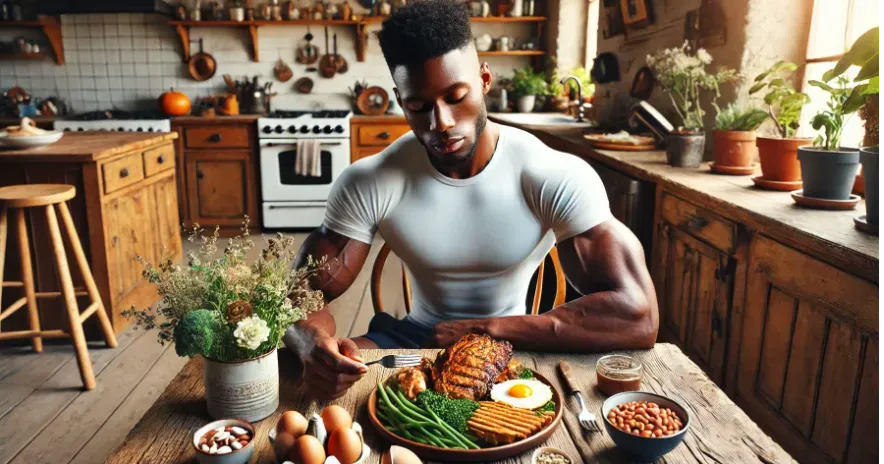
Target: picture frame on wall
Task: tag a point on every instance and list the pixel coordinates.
(634, 12)
(612, 23)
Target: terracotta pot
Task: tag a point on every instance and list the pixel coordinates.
(685, 151)
(734, 148)
(828, 174)
(779, 158)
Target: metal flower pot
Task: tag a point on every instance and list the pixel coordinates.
(247, 390)
(869, 158)
(828, 174)
(685, 151)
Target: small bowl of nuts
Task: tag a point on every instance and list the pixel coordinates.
(225, 441)
(645, 425)
(550, 455)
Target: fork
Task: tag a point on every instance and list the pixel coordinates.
(392, 361)
(586, 418)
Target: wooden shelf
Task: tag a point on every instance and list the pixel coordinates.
(183, 30)
(514, 53)
(50, 27)
(23, 56)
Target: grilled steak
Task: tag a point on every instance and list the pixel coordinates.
(467, 369)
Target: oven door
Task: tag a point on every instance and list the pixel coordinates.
(279, 181)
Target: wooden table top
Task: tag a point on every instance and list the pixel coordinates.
(720, 431)
(80, 147)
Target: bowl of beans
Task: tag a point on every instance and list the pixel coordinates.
(645, 425)
(226, 441)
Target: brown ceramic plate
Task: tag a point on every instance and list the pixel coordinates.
(822, 203)
(495, 453)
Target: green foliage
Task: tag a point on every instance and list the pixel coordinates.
(863, 53)
(843, 101)
(527, 82)
(526, 374)
(455, 413)
(784, 102)
(548, 407)
(195, 333)
(736, 118)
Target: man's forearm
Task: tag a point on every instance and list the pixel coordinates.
(602, 321)
(301, 336)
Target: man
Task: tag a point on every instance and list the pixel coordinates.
(471, 208)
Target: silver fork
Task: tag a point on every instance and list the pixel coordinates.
(392, 361)
(586, 418)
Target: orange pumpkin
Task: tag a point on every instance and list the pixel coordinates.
(174, 103)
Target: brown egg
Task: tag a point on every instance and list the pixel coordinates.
(307, 450)
(282, 445)
(293, 423)
(400, 455)
(335, 417)
(345, 445)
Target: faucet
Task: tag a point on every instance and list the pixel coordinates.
(579, 95)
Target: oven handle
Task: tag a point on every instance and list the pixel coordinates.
(324, 144)
(296, 206)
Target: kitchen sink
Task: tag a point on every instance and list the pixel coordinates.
(540, 119)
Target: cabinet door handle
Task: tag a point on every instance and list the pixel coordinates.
(215, 138)
(124, 173)
(161, 159)
(384, 135)
(696, 223)
(199, 174)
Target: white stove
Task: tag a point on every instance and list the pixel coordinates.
(291, 200)
(115, 121)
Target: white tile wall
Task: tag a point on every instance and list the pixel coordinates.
(126, 60)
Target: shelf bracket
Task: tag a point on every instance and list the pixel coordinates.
(52, 30)
(253, 35)
(361, 41)
(184, 36)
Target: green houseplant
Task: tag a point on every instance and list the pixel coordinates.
(827, 168)
(527, 85)
(734, 136)
(683, 76)
(779, 155)
(233, 315)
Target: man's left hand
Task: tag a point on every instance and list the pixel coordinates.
(448, 332)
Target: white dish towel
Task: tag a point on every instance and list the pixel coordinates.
(308, 158)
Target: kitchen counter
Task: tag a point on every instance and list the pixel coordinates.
(77, 147)
(240, 118)
(384, 118)
(828, 235)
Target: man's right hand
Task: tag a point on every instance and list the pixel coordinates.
(332, 367)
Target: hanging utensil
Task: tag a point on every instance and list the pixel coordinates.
(327, 64)
(202, 66)
(232, 86)
(283, 71)
(307, 53)
(304, 85)
(340, 63)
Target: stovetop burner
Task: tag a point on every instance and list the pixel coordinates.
(117, 115)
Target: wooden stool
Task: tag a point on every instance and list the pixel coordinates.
(44, 196)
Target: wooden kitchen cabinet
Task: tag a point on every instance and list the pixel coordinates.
(808, 367)
(219, 181)
(369, 135)
(693, 268)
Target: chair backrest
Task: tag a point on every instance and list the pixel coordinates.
(378, 268)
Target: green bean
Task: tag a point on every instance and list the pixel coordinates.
(450, 434)
(459, 437)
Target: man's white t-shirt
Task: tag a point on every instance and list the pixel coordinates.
(470, 246)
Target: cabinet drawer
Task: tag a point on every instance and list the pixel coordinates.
(216, 137)
(122, 172)
(159, 159)
(700, 223)
(380, 134)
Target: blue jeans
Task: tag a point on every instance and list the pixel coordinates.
(388, 332)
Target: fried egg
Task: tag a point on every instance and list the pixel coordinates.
(522, 393)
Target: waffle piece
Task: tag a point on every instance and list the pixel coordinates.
(499, 423)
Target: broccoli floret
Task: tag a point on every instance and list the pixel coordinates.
(526, 374)
(195, 333)
(455, 413)
(549, 406)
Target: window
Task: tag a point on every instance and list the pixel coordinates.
(834, 27)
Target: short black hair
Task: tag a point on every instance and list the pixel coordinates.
(423, 30)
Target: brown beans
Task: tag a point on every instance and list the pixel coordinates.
(644, 419)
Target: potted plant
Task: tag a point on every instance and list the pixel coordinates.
(527, 85)
(734, 135)
(233, 315)
(237, 11)
(779, 155)
(864, 54)
(683, 76)
(827, 168)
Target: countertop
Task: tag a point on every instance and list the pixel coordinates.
(388, 118)
(80, 147)
(828, 235)
(220, 119)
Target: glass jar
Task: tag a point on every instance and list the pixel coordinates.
(618, 373)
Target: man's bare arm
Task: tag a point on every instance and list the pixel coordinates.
(618, 309)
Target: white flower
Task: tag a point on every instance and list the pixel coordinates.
(704, 56)
(251, 332)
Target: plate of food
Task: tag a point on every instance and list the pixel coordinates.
(474, 402)
(27, 134)
(623, 141)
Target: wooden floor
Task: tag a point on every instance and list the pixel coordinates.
(45, 416)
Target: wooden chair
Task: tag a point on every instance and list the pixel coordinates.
(48, 197)
(378, 268)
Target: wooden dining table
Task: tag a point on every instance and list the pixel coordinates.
(720, 432)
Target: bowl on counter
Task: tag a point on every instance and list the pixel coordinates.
(548, 449)
(28, 141)
(645, 448)
(236, 456)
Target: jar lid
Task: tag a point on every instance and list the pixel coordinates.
(621, 366)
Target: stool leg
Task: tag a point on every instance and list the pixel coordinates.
(27, 278)
(67, 289)
(106, 326)
(3, 212)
